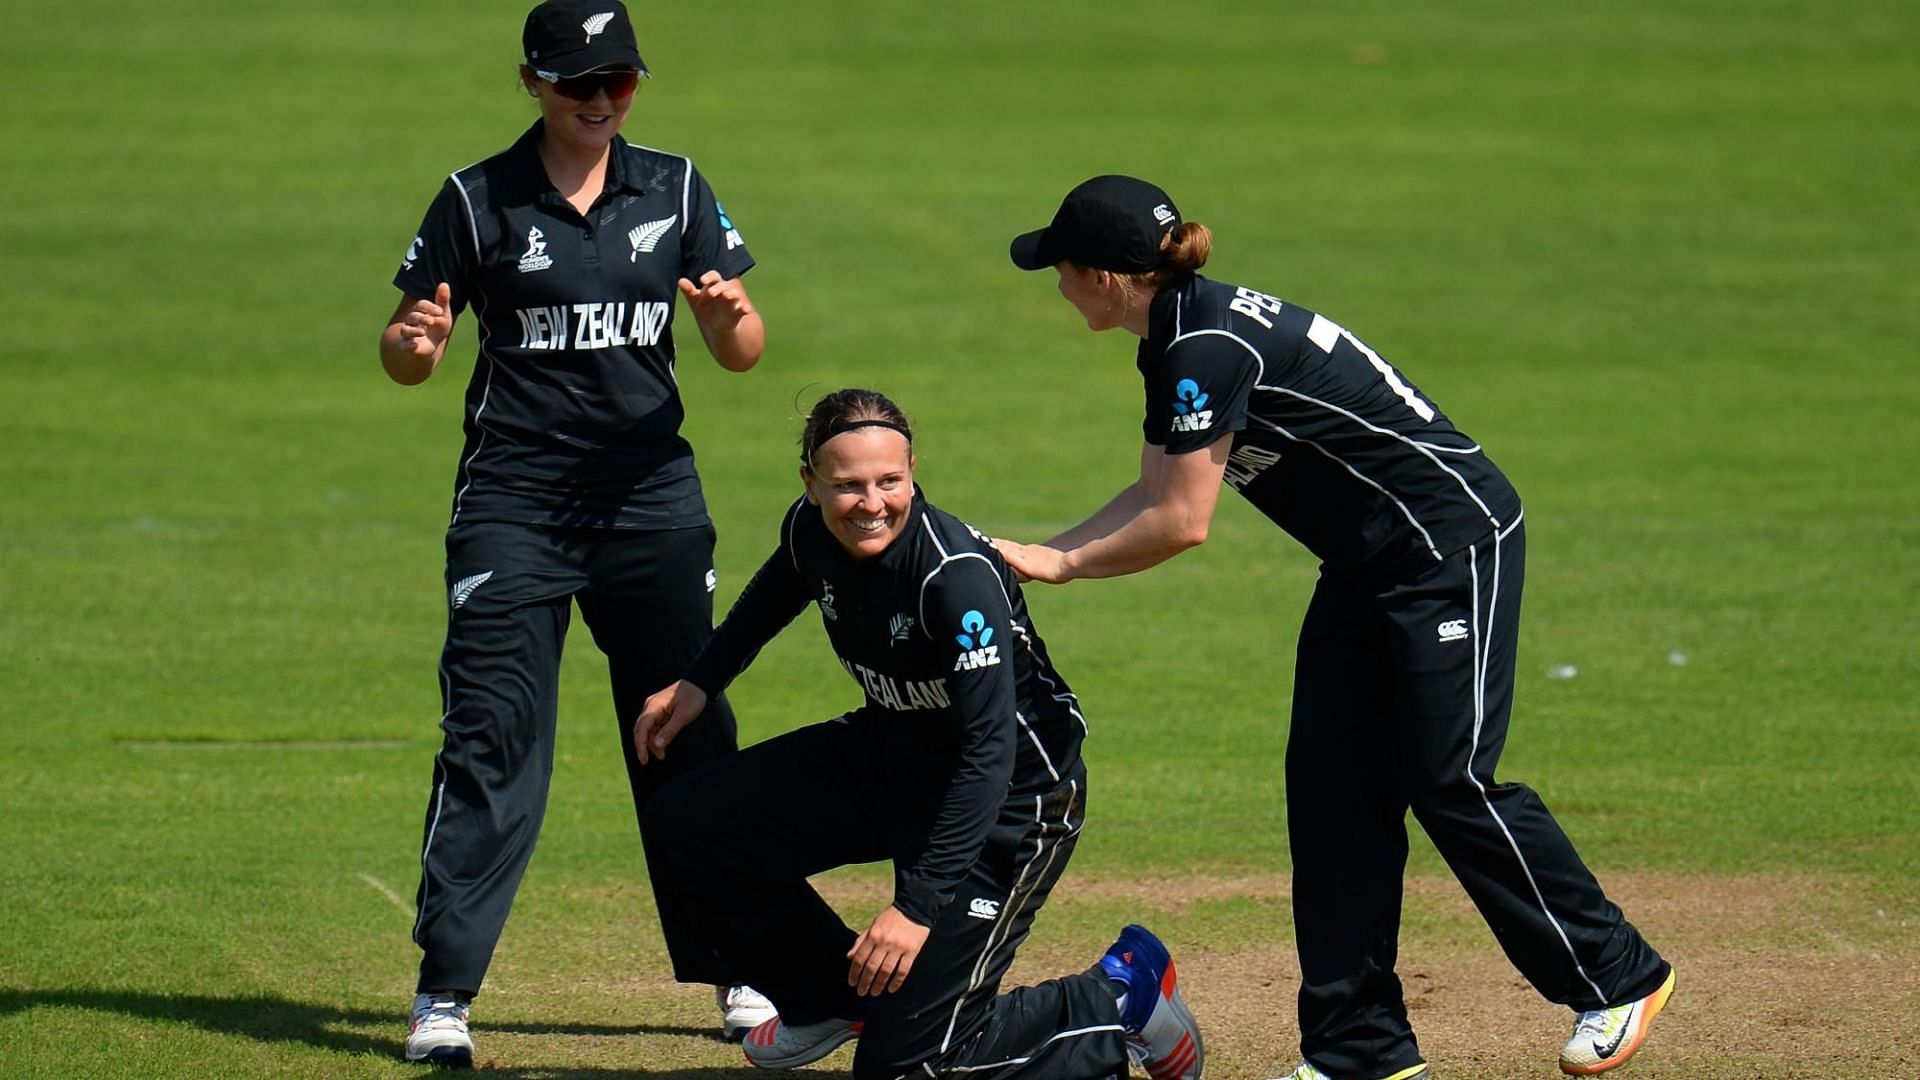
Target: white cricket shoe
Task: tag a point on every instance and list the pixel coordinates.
(1605, 1038)
(774, 1045)
(742, 1008)
(1307, 1071)
(438, 1033)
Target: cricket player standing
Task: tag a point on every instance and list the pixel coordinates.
(1404, 679)
(571, 247)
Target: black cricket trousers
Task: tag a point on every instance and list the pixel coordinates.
(645, 595)
(821, 799)
(1401, 701)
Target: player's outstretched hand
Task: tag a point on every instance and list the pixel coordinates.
(1035, 562)
(662, 717)
(883, 954)
(427, 323)
(719, 303)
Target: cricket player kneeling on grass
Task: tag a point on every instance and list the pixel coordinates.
(961, 767)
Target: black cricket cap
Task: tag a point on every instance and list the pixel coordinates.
(565, 38)
(1108, 223)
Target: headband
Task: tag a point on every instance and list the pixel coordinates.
(839, 427)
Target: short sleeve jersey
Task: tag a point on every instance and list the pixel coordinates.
(1331, 441)
(962, 701)
(573, 412)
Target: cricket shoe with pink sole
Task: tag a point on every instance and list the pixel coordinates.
(1605, 1038)
(1161, 1034)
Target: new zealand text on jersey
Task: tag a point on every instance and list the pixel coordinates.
(900, 695)
(594, 326)
(1247, 462)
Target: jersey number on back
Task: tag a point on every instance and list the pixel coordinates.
(1324, 332)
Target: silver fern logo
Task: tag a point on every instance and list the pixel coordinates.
(596, 23)
(465, 586)
(647, 237)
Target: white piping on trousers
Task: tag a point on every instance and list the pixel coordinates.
(1482, 651)
(1021, 893)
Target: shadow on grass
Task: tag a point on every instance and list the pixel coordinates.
(271, 1019)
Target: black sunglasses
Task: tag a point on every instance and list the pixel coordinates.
(617, 84)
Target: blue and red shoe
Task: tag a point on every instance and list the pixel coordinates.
(1161, 1034)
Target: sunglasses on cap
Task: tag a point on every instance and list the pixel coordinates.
(617, 84)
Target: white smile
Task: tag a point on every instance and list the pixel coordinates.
(868, 525)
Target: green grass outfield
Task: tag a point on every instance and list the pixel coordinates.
(1658, 257)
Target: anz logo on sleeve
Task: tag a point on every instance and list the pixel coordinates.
(976, 647)
(1189, 407)
(733, 234)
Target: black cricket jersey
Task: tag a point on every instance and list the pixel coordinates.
(573, 413)
(962, 700)
(1330, 441)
